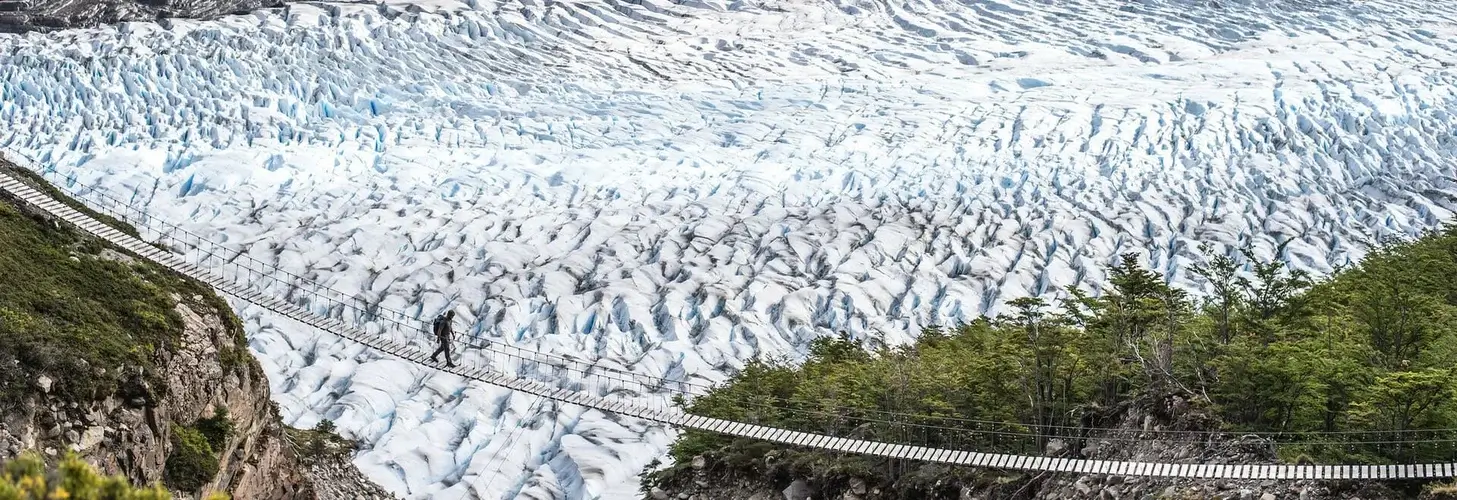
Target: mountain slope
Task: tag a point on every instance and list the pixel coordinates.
(1354, 369)
(139, 371)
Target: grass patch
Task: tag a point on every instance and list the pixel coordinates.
(195, 451)
(217, 429)
(93, 325)
(83, 320)
(318, 443)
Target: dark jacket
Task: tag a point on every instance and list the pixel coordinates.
(442, 328)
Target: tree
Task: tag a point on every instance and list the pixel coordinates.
(1274, 294)
(1039, 376)
(1407, 400)
(1176, 309)
(1139, 318)
(1398, 320)
(1399, 401)
(1222, 274)
(837, 349)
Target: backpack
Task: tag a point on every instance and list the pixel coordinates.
(439, 326)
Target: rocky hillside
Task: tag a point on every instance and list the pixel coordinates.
(140, 371)
(19, 16)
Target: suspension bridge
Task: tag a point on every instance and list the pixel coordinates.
(580, 382)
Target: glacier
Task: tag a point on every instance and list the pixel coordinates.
(676, 187)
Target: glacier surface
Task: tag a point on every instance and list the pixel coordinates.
(675, 187)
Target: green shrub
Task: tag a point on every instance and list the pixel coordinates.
(324, 426)
(192, 463)
(217, 429)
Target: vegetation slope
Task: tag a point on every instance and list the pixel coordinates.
(72, 304)
(93, 321)
(1322, 366)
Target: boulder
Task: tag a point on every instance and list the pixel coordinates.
(798, 490)
(1055, 448)
(1082, 486)
(1179, 407)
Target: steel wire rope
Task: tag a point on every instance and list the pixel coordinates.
(254, 271)
(1272, 436)
(197, 241)
(1366, 471)
(300, 282)
(1233, 434)
(496, 462)
(251, 271)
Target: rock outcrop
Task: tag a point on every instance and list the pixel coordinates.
(325, 458)
(203, 375)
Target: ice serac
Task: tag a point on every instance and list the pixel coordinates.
(674, 188)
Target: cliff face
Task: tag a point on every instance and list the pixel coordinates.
(19, 16)
(118, 361)
(133, 435)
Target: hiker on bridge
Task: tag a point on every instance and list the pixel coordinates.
(441, 328)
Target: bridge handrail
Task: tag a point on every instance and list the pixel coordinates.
(669, 415)
(217, 255)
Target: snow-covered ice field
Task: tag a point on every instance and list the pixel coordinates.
(678, 186)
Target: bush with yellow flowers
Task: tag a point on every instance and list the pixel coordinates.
(26, 478)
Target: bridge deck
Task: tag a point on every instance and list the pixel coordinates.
(672, 416)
